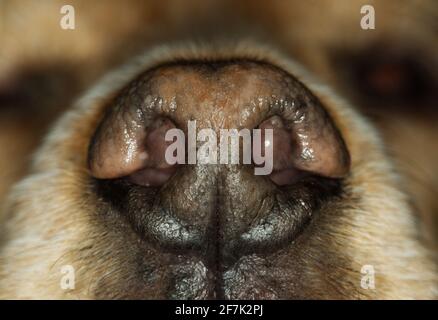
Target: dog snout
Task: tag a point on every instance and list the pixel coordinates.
(198, 198)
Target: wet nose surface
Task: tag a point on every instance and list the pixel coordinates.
(217, 214)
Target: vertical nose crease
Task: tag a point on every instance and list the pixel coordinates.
(238, 210)
(203, 210)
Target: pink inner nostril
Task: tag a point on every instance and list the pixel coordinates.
(156, 145)
(314, 148)
(281, 143)
(152, 177)
(157, 171)
(285, 177)
(282, 147)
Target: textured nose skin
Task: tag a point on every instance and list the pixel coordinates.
(240, 212)
(184, 217)
(206, 208)
(225, 212)
(203, 206)
(217, 215)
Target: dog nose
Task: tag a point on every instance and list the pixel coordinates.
(165, 137)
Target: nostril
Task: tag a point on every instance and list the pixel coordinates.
(303, 147)
(157, 170)
(281, 145)
(126, 147)
(152, 177)
(286, 176)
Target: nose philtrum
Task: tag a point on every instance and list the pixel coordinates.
(202, 202)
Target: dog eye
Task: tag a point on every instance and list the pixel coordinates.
(395, 80)
(35, 90)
